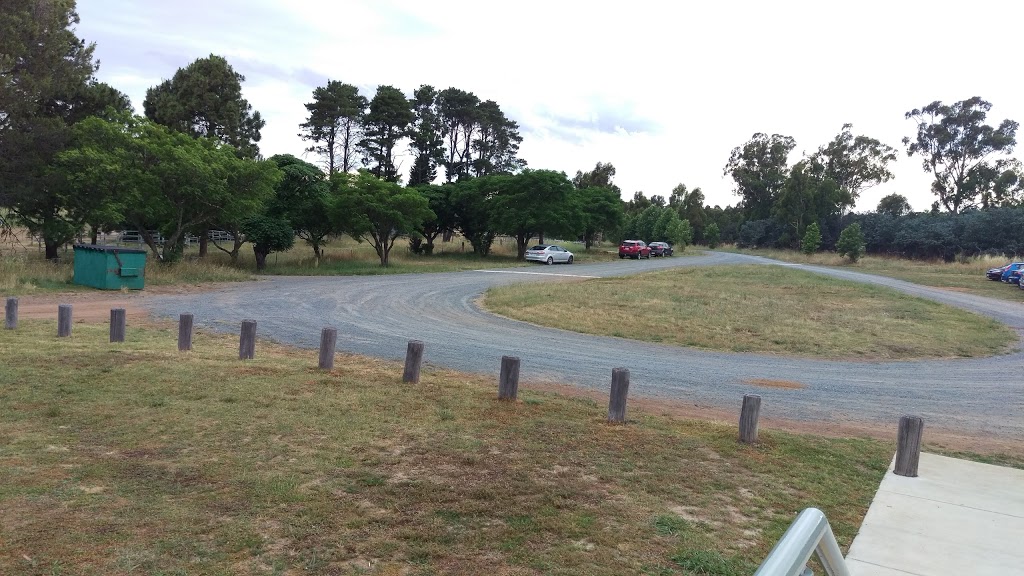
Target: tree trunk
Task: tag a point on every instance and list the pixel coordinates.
(204, 243)
(521, 240)
(540, 238)
(261, 259)
(318, 253)
(51, 250)
(93, 234)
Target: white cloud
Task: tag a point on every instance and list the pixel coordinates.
(663, 91)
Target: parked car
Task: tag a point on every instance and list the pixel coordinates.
(660, 249)
(996, 273)
(1014, 277)
(548, 254)
(634, 249)
(1010, 269)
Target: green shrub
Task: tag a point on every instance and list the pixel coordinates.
(812, 239)
(851, 242)
(711, 235)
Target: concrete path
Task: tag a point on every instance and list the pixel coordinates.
(957, 517)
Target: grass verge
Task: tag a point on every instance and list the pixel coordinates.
(960, 276)
(757, 309)
(133, 458)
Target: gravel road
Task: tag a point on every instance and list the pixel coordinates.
(377, 315)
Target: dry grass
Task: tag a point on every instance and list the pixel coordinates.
(757, 309)
(135, 459)
(966, 275)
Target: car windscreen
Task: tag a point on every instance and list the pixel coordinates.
(538, 247)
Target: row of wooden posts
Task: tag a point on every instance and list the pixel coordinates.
(908, 447)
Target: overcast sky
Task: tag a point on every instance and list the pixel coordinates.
(661, 90)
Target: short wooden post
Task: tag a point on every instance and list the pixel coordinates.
(11, 314)
(247, 341)
(64, 320)
(328, 346)
(617, 401)
(749, 414)
(508, 381)
(413, 360)
(185, 332)
(908, 446)
(118, 324)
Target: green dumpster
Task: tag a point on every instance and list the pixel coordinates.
(110, 267)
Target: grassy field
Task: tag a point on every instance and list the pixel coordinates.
(24, 271)
(757, 309)
(136, 459)
(966, 276)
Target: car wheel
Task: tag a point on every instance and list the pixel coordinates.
(569, 261)
(550, 261)
(621, 256)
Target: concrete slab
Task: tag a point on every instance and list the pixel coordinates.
(957, 517)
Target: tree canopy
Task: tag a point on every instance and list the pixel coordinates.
(759, 169)
(334, 123)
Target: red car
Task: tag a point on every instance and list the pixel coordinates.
(634, 249)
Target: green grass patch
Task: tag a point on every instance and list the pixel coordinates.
(134, 458)
(966, 275)
(757, 308)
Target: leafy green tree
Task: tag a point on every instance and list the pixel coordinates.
(807, 196)
(439, 199)
(381, 211)
(204, 99)
(164, 181)
(689, 204)
(678, 233)
(711, 235)
(851, 242)
(534, 203)
(426, 139)
(457, 112)
(894, 204)
(601, 176)
(812, 239)
(855, 164)
(471, 201)
(637, 204)
(960, 150)
(759, 169)
(45, 70)
(335, 116)
(646, 222)
(268, 234)
(303, 198)
(496, 144)
(384, 126)
(601, 210)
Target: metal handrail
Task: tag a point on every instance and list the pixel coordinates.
(807, 534)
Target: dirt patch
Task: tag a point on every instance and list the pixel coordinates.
(94, 307)
(768, 383)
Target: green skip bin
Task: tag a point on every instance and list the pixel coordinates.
(110, 267)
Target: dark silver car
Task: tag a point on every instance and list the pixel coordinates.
(660, 249)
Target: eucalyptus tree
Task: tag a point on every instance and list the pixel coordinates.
(384, 126)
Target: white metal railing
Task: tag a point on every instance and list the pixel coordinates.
(808, 534)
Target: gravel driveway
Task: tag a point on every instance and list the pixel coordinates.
(377, 315)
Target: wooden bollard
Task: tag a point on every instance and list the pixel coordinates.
(413, 361)
(247, 341)
(508, 381)
(908, 446)
(328, 346)
(185, 332)
(64, 320)
(617, 400)
(118, 324)
(11, 314)
(749, 414)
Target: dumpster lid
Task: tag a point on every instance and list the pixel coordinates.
(118, 249)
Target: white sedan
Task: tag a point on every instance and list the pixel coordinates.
(549, 254)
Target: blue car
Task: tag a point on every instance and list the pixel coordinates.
(1008, 274)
